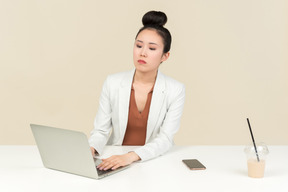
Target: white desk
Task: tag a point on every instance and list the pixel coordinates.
(21, 169)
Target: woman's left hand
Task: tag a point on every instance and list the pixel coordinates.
(116, 161)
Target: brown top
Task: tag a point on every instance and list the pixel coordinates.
(137, 121)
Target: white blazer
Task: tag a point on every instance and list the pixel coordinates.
(163, 121)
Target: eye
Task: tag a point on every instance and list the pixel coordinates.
(138, 46)
(153, 49)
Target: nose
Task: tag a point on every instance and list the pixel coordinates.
(143, 52)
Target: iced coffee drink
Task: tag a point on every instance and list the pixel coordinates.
(256, 161)
(256, 168)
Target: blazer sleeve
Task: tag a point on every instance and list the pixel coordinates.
(103, 121)
(170, 125)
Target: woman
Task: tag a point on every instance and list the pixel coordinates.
(140, 107)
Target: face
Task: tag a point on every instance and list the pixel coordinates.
(148, 51)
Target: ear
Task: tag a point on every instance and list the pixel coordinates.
(165, 56)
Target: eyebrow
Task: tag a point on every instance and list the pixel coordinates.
(149, 42)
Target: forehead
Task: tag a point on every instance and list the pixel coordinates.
(150, 36)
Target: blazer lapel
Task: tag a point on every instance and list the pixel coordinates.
(156, 103)
(124, 100)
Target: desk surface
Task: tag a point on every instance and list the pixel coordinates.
(21, 169)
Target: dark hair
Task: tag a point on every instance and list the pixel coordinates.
(156, 20)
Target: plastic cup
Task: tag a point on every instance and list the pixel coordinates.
(256, 166)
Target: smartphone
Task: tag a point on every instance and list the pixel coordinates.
(194, 164)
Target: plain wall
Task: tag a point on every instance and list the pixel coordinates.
(231, 55)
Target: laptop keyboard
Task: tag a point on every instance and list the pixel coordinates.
(102, 172)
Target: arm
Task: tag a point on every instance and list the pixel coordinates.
(102, 122)
(159, 144)
(170, 124)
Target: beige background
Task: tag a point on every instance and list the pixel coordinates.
(231, 55)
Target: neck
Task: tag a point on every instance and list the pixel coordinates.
(145, 78)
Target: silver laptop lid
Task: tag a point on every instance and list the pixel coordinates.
(64, 150)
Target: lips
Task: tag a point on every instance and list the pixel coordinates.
(141, 61)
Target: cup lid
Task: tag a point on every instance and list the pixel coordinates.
(261, 148)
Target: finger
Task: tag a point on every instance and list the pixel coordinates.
(103, 165)
(112, 162)
(106, 165)
(109, 166)
(115, 166)
(112, 166)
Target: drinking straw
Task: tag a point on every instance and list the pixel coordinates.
(253, 140)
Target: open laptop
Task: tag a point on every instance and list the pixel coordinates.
(67, 151)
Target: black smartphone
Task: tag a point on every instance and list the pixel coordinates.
(194, 164)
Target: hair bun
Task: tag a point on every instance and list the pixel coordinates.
(154, 18)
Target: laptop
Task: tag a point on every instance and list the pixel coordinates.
(68, 151)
